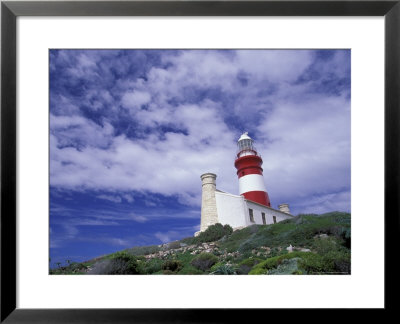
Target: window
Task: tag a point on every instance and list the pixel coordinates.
(274, 217)
(263, 218)
(251, 215)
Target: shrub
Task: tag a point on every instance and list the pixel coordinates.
(334, 256)
(316, 264)
(151, 266)
(342, 266)
(143, 250)
(140, 258)
(229, 258)
(117, 263)
(189, 269)
(287, 267)
(204, 261)
(228, 230)
(274, 252)
(172, 265)
(215, 266)
(323, 246)
(298, 231)
(274, 262)
(185, 258)
(213, 233)
(188, 240)
(258, 271)
(306, 262)
(246, 265)
(340, 260)
(173, 245)
(224, 269)
(243, 269)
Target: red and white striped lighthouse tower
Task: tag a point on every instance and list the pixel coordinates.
(248, 164)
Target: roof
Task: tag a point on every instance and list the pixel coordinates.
(244, 136)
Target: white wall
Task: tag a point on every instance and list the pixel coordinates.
(234, 210)
(269, 213)
(231, 209)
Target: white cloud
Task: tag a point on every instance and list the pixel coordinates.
(274, 65)
(115, 199)
(329, 202)
(135, 99)
(167, 237)
(138, 218)
(304, 137)
(77, 130)
(128, 198)
(171, 166)
(117, 241)
(306, 148)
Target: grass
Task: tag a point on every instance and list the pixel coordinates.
(299, 231)
(257, 249)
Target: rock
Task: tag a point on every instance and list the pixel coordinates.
(305, 250)
(290, 248)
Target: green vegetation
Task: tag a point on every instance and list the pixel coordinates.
(298, 231)
(73, 268)
(172, 265)
(247, 264)
(189, 269)
(211, 234)
(204, 261)
(143, 250)
(120, 263)
(320, 245)
(273, 263)
(151, 266)
(224, 269)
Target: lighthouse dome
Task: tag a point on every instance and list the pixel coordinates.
(244, 136)
(245, 145)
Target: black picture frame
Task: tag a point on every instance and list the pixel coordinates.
(10, 10)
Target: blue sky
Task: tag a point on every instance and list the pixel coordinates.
(131, 131)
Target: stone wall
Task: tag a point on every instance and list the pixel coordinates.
(284, 208)
(209, 214)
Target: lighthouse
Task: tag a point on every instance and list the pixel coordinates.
(248, 165)
(252, 206)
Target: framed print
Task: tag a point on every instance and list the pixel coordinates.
(159, 86)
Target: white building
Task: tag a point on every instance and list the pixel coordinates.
(252, 206)
(235, 210)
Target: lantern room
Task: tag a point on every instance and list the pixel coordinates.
(245, 146)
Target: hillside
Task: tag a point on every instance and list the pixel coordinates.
(306, 244)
